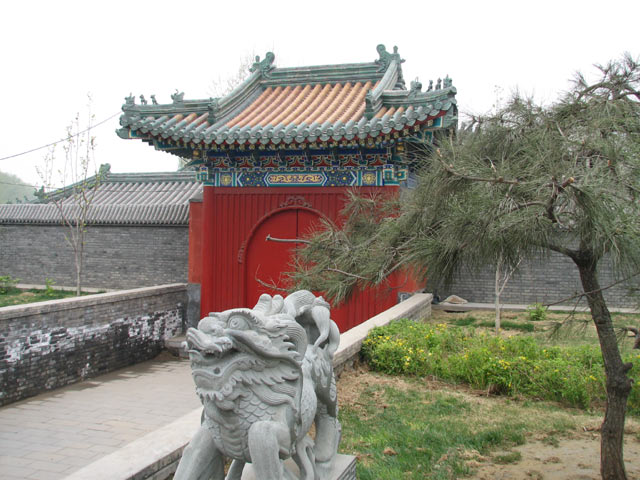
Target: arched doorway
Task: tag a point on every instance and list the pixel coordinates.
(267, 260)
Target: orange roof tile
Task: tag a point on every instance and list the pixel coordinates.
(309, 103)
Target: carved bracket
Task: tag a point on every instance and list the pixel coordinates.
(295, 200)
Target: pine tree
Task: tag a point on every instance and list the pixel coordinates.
(524, 181)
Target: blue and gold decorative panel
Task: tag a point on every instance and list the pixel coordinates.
(346, 167)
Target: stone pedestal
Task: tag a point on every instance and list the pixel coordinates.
(344, 468)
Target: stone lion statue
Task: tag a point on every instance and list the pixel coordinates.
(264, 376)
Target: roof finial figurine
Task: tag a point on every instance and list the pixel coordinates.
(153, 100)
(177, 97)
(212, 108)
(263, 65)
(40, 194)
(105, 169)
(130, 100)
(416, 87)
(386, 58)
(143, 101)
(447, 82)
(430, 86)
(439, 84)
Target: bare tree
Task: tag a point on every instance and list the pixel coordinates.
(79, 179)
(223, 86)
(503, 275)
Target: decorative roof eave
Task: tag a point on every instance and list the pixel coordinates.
(374, 130)
(402, 98)
(214, 108)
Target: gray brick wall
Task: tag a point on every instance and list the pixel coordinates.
(115, 256)
(50, 344)
(544, 280)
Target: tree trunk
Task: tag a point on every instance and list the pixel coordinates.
(498, 291)
(618, 384)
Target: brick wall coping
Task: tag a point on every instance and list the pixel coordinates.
(17, 311)
(155, 456)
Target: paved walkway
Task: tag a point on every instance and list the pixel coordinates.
(54, 434)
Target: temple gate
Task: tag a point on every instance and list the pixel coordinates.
(279, 153)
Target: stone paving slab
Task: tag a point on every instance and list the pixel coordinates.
(54, 434)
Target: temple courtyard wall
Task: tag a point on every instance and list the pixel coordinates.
(127, 256)
(47, 345)
(548, 279)
(116, 256)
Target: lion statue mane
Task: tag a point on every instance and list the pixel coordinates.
(264, 376)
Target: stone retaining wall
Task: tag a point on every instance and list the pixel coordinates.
(47, 345)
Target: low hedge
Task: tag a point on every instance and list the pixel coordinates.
(517, 365)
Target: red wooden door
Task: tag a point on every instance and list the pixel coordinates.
(267, 261)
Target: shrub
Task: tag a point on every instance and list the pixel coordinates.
(7, 284)
(536, 312)
(573, 375)
(49, 291)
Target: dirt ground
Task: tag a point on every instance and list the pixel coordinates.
(573, 457)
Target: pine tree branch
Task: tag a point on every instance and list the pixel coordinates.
(342, 272)
(272, 286)
(579, 295)
(563, 250)
(449, 168)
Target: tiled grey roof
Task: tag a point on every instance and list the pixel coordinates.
(120, 199)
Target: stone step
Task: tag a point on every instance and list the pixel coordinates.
(177, 346)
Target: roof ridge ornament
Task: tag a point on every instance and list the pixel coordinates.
(264, 66)
(416, 87)
(177, 97)
(386, 58)
(212, 107)
(129, 102)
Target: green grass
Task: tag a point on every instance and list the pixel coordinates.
(16, 296)
(435, 433)
(465, 321)
(508, 325)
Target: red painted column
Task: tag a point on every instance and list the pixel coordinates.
(208, 219)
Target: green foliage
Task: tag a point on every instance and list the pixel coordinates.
(525, 181)
(49, 291)
(536, 312)
(13, 189)
(509, 366)
(465, 321)
(16, 296)
(7, 284)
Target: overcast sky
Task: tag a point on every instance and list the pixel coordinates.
(54, 53)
